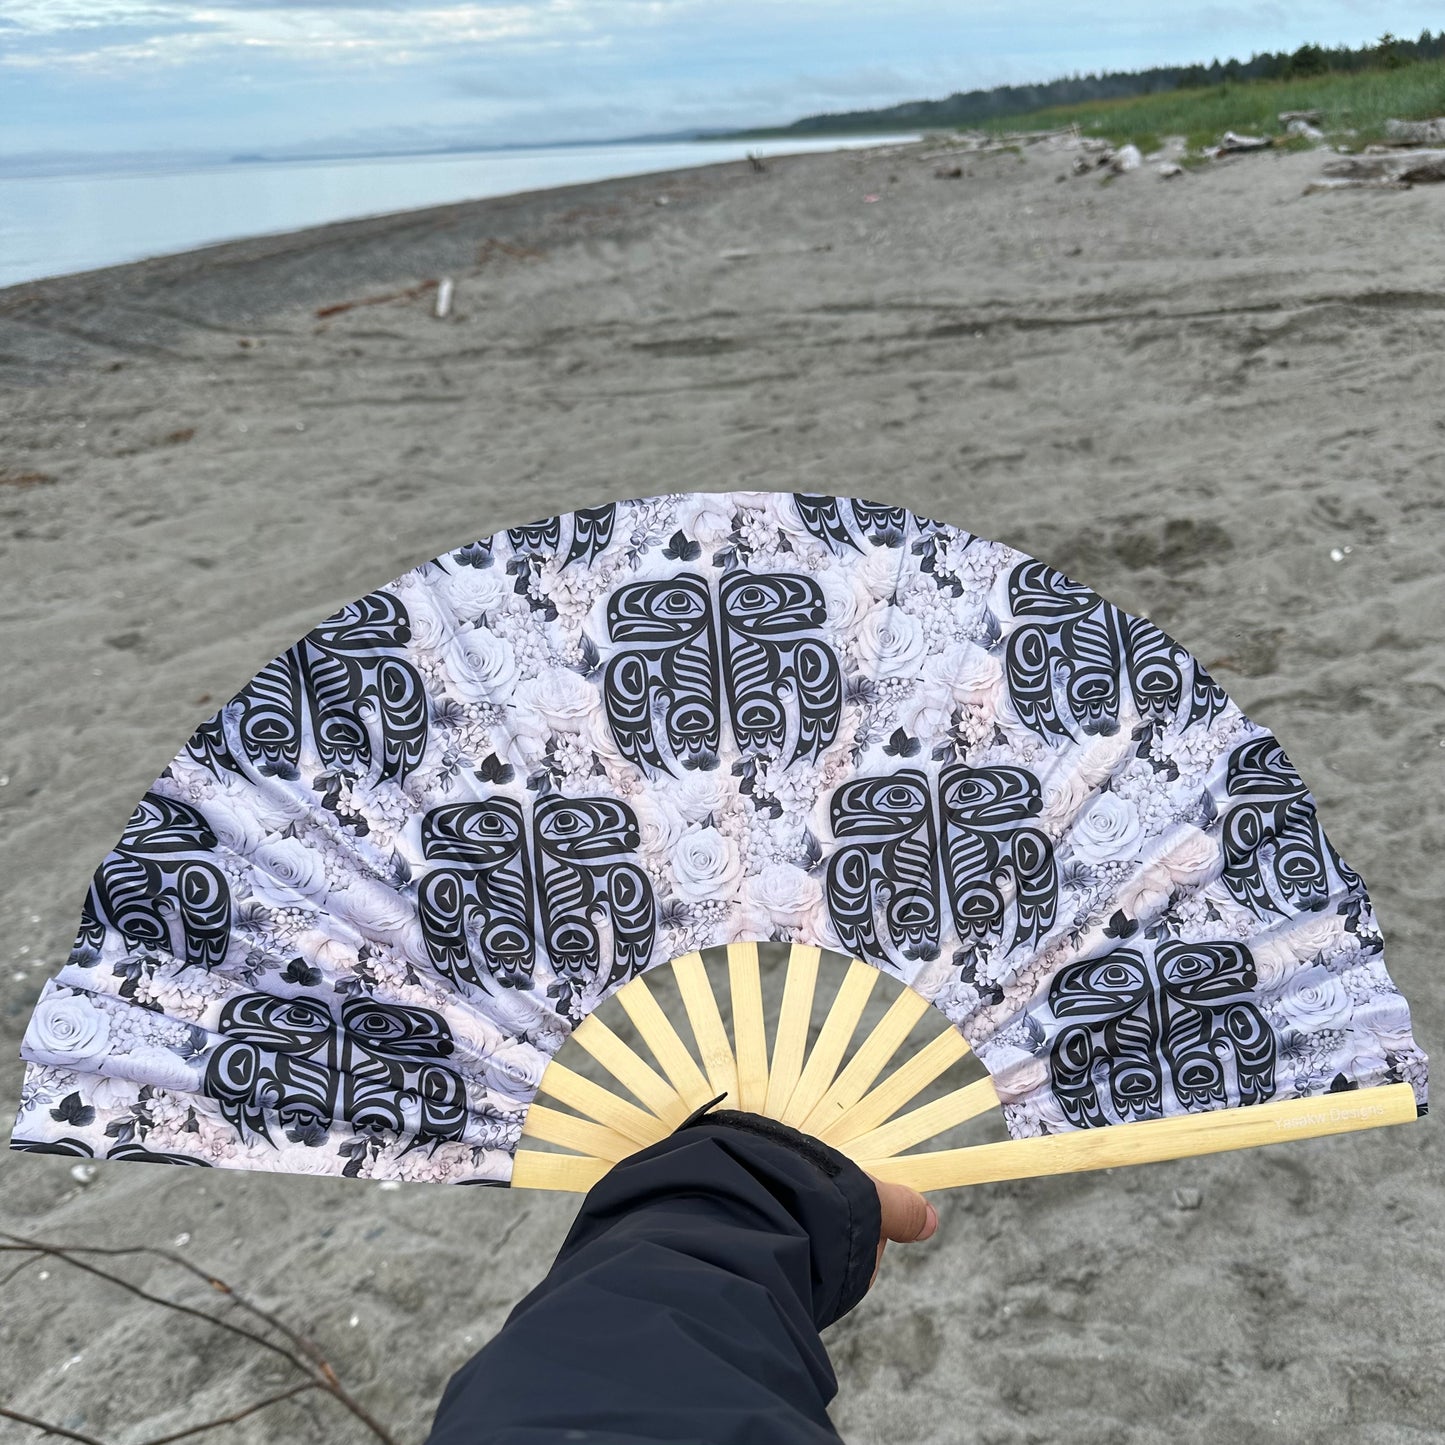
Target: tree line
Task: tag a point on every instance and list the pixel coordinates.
(974, 107)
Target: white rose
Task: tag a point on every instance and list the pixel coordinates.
(329, 954)
(752, 923)
(700, 793)
(878, 570)
(476, 1035)
(1194, 858)
(660, 825)
(514, 1070)
(1367, 1061)
(559, 700)
(1315, 934)
(1273, 959)
(517, 1013)
(1146, 893)
(1316, 1000)
(706, 520)
(108, 1095)
(891, 643)
(927, 714)
(1062, 804)
(373, 907)
(1102, 755)
(786, 893)
(188, 779)
(235, 824)
(706, 867)
(1044, 1108)
(410, 941)
(472, 592)
(1388, 1020)
(1016, 1073)
(430, 629)
(1109, 832)
(276, 806)
(846, 600)
(290, 867)
(161, 1069)
(969, 672)
(320, 1159)
(68, 1033)
(596, 734)
(481, 665)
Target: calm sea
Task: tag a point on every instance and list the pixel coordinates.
(52, 225)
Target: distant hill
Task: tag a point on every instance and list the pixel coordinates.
(980, 107)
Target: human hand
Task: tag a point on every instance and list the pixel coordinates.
(907, 1218)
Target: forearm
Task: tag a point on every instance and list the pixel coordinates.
(685, 1303)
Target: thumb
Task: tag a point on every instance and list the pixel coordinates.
(907, 1215)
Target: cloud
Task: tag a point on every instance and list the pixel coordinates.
(113, 34)
(252, 73)
(505, 84)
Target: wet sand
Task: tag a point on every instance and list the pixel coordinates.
(1189, 395)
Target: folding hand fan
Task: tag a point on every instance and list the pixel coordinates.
(351, 923)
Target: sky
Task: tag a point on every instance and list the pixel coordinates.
(241, 76)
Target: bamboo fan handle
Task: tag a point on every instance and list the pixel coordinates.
(1152, 1140)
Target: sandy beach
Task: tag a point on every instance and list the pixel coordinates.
(1214, 399)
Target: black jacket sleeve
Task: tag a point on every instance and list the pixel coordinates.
(686, 1301)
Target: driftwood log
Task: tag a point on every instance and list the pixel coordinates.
(1417, 132)
(1406, 167)
(1345, 183)
(1234, 142)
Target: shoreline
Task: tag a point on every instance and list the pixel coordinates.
(320, 265)
(274, 166)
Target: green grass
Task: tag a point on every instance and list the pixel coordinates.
(1360, 103)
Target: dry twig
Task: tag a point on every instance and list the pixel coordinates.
(410, 294)
(299, 1352)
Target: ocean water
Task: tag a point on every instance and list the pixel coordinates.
(53, 225)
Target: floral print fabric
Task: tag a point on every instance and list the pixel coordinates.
(347, 928)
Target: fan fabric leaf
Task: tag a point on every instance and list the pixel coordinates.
(348, 926)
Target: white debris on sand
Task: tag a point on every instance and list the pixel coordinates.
(1416, 132)
(445, 292)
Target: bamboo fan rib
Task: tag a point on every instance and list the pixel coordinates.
(600, 1105)
(666, 1043)
(843, 1103)
(628, 1068)
(870, 1060)
(791, 1042)
(749, 1027)
(895, 1091)
(833, 1040)
(707, 1025)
